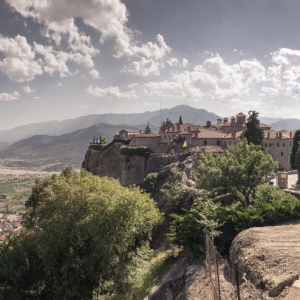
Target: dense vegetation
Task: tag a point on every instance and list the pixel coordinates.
(140, 151)
(237, 197)
(102, 147)
(252, 131)
(238, 172)
(82, 234)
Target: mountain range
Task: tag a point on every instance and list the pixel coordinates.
(52, 145)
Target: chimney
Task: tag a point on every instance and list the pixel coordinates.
(140, 131)
(232, 121)
(208, 124)
(280, 134)
(268, 134)
(291, 134)
(219, 121)
(225, 120)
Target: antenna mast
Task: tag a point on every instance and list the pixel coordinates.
(160, 111)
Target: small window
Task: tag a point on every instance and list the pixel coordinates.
(229, 143)
(281, 153)
(270, 145)
(283, 144)
(218, 143)
(205, 143)
(277, 144)
(266, 145)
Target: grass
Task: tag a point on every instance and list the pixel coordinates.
(149, 275)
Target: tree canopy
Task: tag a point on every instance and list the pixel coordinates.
(237, 172)
(81, 231)
(296, 141)
(252, 131)
(147, 129)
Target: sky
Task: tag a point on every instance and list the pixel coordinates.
(62, 59)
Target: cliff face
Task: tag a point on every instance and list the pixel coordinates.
(130, 169)
(127, 169)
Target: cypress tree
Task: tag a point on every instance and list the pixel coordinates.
(180, 120)
(252, 131)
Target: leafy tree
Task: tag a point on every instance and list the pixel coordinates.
(188, 229)
(238, 172)
(252, 131)
(85, 229)
(147, 130)
(297, 161)
(296, 141)
(103, 140)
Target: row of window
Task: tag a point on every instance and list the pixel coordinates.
(278, 144)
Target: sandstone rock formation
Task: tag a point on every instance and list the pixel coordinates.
(268, 259)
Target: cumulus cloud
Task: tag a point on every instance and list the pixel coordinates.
(112, 92)
(9, 97)
(109, 17)
(284, 73)
(213, 80)
(56, 61)
(174, 62)
(94, 74)
(143, 67)
(19, 64)
(27, 89)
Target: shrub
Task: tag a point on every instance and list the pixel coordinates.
(140, 151)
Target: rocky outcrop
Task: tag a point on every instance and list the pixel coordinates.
(268, 259)
(133, 169)
(127, 169)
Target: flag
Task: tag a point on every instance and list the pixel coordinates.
(184, 144)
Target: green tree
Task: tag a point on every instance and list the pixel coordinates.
(252, 131)
(238, 172)
(296, 140)
(297, 161)
(147, 129)
(180, 120)
(85, 229)
(103, 140)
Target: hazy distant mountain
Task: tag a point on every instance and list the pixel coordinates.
(269, 121)
(289, 124)
(66, 149)
(189, 115)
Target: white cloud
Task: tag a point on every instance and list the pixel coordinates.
(284, 73)
(143, 67)
(94, 74)
(59, 84)
(19, 64)
(56, 61)
(112, 92)
(174, 62)
(133, 85)
(27, 89)
(9, 97)
(109, 17)
(213, 80)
